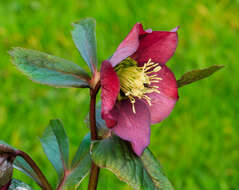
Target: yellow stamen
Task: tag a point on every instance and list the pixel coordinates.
(135, 81)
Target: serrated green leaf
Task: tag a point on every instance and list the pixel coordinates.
(19, 185)
(195, 75)
(56, 146)
(21, 165)
(81, 165)
(141, 173)
(48, 69)
(84, 37)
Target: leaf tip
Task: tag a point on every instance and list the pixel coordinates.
(84, 21)
(15, 53)
(12, 52)
(221, 66)
(55, 121)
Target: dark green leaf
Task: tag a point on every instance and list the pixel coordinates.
(85, 40)
(21, 165)
(141, 173)
(81, 165)
(48, 69)
(195, 75)
(56, 146)
(18, 185)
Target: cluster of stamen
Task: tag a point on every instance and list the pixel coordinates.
(136, 81)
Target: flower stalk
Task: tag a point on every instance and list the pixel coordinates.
(94, 173)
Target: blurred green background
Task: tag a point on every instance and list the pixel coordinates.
(198, 145)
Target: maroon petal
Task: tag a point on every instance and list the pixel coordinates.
(110, 88)
(133, 127)
(129, 45)
(163, 102)
(158, 46)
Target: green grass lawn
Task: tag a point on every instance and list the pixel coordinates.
(198, 145)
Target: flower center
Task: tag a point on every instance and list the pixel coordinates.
(135, 81)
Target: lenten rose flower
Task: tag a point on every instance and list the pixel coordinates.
(138, 89)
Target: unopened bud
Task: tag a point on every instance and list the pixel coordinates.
(6, 169)
(6, 187)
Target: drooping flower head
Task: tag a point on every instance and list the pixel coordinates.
(138, 89)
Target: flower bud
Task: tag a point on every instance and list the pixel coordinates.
(6, 169)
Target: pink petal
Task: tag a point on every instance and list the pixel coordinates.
(163, 102)
(133, 127)
(129, 45)
(110, 88)
(158, 46)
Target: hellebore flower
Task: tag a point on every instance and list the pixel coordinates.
(138, 89)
